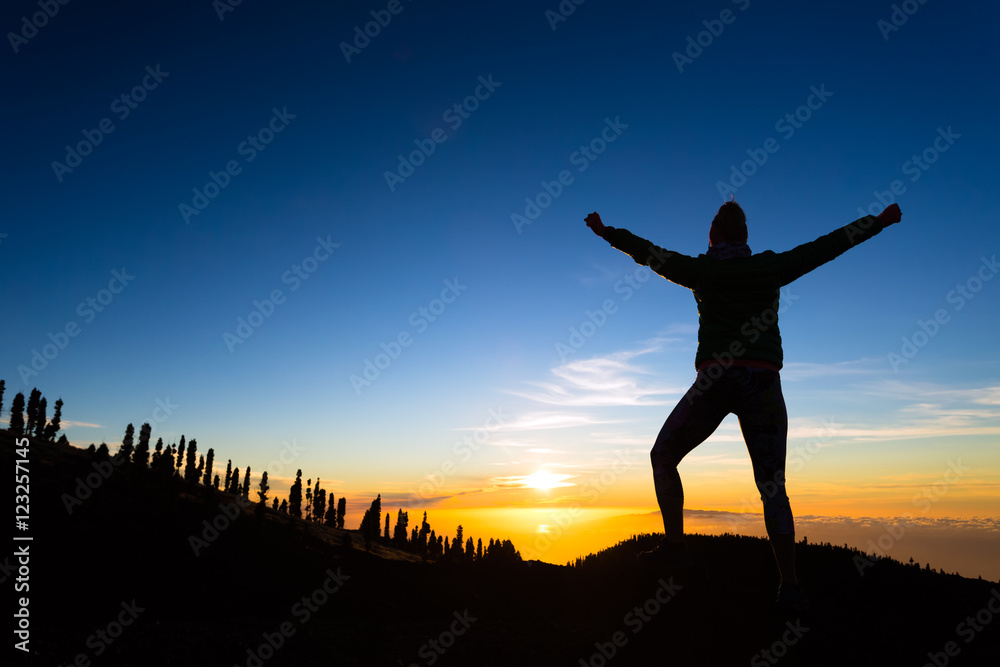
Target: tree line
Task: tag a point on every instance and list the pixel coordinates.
(30, 420)
(182, 461)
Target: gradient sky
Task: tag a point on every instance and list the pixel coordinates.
(485, 303)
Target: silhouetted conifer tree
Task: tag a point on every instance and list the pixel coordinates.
(62, 440)
(309, 500)
(479, 550)
(470, 551)
(457, 544)
(191, 469)
(40, 418)
(234, 483)
(284, 506)
(385, 535)
(154, 461)
(92, 449)
(229, 475)
(53, 428)
(168, 460)
(3, 386)
(215, 482)
(331, 513)
(16, 425)
(31, 418)
(431, 544)
(201, 466)
(209, 464)
(447, 549)
(141, 455)
(263, 487)
(425, 529)
(126, 449)
(319, 504)
(313, 502)
(295, 496)
(372, 520)
(180, 455)
(399, 535)
(341, 511)
(274, 504)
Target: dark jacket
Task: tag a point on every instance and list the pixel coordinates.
(738, 298)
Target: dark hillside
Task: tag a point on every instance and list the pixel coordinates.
(268, 580)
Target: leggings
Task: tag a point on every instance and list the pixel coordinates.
(753, 395)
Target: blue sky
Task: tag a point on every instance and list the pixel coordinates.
(315, 195)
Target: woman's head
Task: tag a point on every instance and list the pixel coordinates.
(729, 225)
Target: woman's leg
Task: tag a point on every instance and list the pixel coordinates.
(695, 417)
(764, 422)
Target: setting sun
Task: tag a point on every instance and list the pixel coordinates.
(545, 480)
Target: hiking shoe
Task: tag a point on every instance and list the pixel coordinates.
(671, 554)
(791, 598)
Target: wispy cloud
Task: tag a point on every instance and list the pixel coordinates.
(793, 371)
(610, 380)
(533, 421)
(542, 479)
(932, 410)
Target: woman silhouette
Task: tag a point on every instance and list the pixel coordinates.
(738, 362)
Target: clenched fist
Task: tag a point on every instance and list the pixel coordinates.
(594, 222)
(891, 215)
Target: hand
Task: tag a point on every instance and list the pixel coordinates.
(891, 215)
(594, 222)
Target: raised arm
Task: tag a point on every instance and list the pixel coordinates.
(799, 261)
(673, 266)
